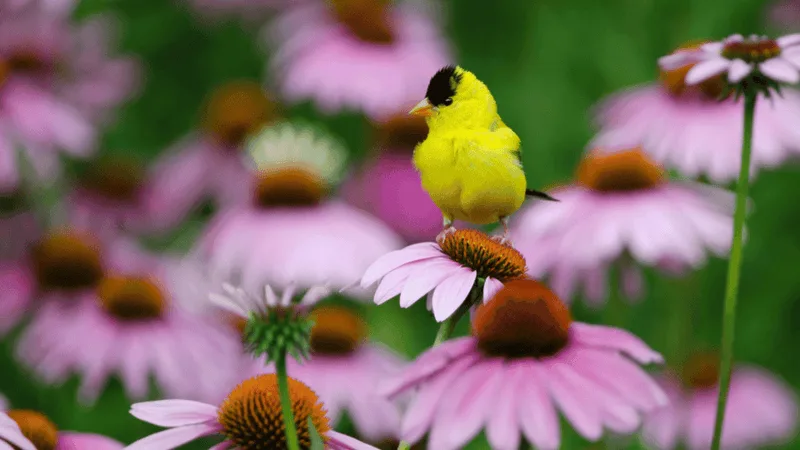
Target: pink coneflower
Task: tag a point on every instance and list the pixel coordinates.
(447, 272)
(31, 430)
(622, 211)
(526, 360)
(682, 123)
(761, 409)
(209, 163)
(17, 295)
(56, 85)
(365, 55)
(249, 416)
(388, 185)
(289, 233)
(129, 324)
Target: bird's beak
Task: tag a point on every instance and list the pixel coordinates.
(423, 109)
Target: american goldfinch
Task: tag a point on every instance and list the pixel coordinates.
(470, 162)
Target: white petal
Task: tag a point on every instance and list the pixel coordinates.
(270, 296)
(707, 69)
(739, 69)
(227, 303)
(315, 294)
(780, 70)
(288, 294)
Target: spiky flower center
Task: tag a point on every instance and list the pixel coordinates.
(236, 110)
(280, 331)
(288, 186)
(251, 415)
(701, 371)
(752, 50)
(368, 20)
(119, 179)
(675, 80)
(35, 426)
(131, 299)
(337, 331)
(401, 132)
(479, 252)
(524, 319)
(625, 171)
(67, 260)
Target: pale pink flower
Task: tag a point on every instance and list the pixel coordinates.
(289, 234)
(762, 410)
(687, 127)
(50, 6)
(526, 362)
(622, 211)
(57, 84)
(363, 55)
(16, 296)
(447, 273)
(133, 326)
(785, 14)
(16, 426)
(209, 163)
(251, 414)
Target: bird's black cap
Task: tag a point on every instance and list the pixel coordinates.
(442, 85)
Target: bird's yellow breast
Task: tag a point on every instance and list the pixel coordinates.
(472, 175)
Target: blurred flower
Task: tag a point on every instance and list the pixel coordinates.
(527, 359)
(17, 219)
(761, 409)
(366, 55)
(622, 210)
(248, 10)
(344, 371)
(130, 324)
(249, 416)
(785, 14)
(688, 127)
(388, 185)
(447, 273)
(57, 84)
(208, 163)
(17, 295)
(31, 430)
(289, 234)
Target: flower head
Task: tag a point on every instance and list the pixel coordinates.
(526, 360)
(67, 259)
(25, 429)
(622, 211)
(449, 271)
(250, 417)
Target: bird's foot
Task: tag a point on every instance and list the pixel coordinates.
(502, 239)
(440, 238)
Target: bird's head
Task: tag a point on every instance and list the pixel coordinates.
(456, 99)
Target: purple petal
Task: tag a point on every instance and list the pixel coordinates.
(780, 69)
(707, 69)
(614, 338)
(490, 288)
(449, 295)
(397, 258)
(174, 413)
(174, 437)
(739, 69)
(788, 40)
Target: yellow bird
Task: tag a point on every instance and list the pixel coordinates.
(470, 162)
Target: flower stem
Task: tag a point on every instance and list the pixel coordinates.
(449, 324)
(446, 329)
(734, 268)
(286, 403)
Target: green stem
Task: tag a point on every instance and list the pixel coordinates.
(286, 403)
(616, 309)
(446, 329)
(734, 268)
(681, 313)
(449, 324)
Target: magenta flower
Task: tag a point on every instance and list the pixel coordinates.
(208, 163)
(250, 415)
(129, 324)
(289, 234)
(526, 361)
(31, 430)
(388, 185)
(446, 272)
(341, 54)
(761, 410)
(682, 123)
(622, 211)
(57, 84)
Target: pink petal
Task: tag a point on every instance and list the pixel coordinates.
(175, 437)
(678, 59)
(397, 258)
(793, 56)
(490, 288)
(614, 338)
(9, 431)
(76, 441)
(780, 69)
(427, 364)
(739, 69)
(174, 413)
(788, 40)
(392, 284)
(224, 445)
(453, 291)
(502, 429)
(707, 69)
(537, 414)
(583, 416)
(425, 278)
(346, 442)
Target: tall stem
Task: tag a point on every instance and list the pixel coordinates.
(286, 403)
(734, 268)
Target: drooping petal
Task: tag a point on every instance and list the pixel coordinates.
(739, 69)
(780, 70)
(427, 364)
(174, 437)
(490, 288)
(537, 414)
(346, 442)
(788, 40)
(174, 413)
(706, 69)
(397, 258)
(615, 338)
(449, 295)
(425, 278)
(73, 441)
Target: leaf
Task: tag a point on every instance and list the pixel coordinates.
(316, 440)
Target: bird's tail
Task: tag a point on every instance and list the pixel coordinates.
(539, 194)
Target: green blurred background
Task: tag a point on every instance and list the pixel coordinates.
(546, 62)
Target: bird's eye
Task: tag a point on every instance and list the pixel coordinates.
(448, 101)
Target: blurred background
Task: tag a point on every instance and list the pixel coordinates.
(546, 62)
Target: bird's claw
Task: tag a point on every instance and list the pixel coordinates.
(440, 238)
(502, 240)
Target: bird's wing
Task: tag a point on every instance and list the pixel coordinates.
(498, 126)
